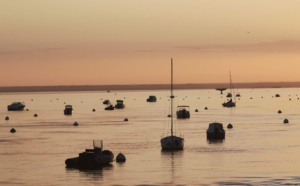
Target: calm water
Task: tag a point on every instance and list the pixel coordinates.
(259, 150)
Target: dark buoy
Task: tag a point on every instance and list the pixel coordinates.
(75, 123)
(120, 158)
(94, 110)
(285, 121)
(229, 126)
(279, 112)
(35, 115)
(169, 115)
(6, 118)
(13, 130)
(126, 119)
(196, 110)
(205, 108)
(27, 109)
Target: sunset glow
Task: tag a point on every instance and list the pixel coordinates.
(72, 42)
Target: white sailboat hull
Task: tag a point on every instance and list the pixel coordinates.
(172, 143)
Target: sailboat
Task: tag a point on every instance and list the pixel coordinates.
(172, 142)
(230, 103)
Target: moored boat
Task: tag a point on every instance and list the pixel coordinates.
(15, 106)
(91, 158)
(151, 99)
(120, 104)
(215, 131)
(68, 110)
(183, 112)
(172, 142)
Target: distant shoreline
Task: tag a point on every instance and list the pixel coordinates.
(147, 87)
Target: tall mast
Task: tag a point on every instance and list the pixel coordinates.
(231, 86)
(172, 97)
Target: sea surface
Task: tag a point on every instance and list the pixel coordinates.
(259, 150)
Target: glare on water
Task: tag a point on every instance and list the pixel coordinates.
(260, 149)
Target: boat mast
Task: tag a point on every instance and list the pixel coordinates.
(172, 97)
(231, 87)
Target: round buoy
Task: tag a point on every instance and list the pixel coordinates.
(205, 108)
(229, 126)
(196, 110)
(169, 115)
(27, 109)
(35, 115)
(279, 112)
(285, 121)
(120, 158)
(6, 118)
(75, 123)
(13, 130)
(94, 110)
(126, 119)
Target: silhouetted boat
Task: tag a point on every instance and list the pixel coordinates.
(15, 106)
(230, 103)
(172, 142)
(91, 158)
(109, 107)
(106, 102)
(120, 104)
(68, 110)
(183, 112)
(151, 99)
(215, 131)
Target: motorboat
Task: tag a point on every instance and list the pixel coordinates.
(229, 103)
(68, 110)
(183, 112)
(229, 95)
(91, 158)
(172, 142)
(106, 102)
(110, 107)
(151, 99)
(120, 104)
(215, 131)
(15, 106)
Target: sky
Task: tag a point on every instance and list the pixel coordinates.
(116, 42)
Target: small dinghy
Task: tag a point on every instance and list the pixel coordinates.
(91, 158)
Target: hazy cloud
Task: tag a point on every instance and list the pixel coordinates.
(282, 46)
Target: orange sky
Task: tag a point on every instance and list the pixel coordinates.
(75, 42)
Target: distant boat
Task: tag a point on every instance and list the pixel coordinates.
(16, 106)
(109, 107)
(68, 110)
(230, 103)
(238, 95)
(215, 131)
(172, 142)
(151, 99)
(277, 95)
(106, 102)
(183, 112)
(229, 95)
(120, 104)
